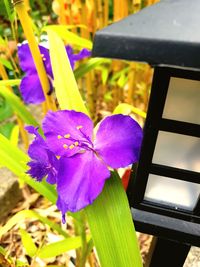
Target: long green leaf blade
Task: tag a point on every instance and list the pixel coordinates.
(66, 88)
(16, 160)
(60, 247)
(28, 243)
(112, 227)
(89, 65)
(6, 63)
(9, 9)
(10, 82)
(18, 106)
(125, 108)
(68, 36)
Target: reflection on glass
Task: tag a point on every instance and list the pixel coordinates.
(178, 151)
(175, 193)
(183, 100)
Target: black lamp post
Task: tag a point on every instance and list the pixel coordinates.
(164, 193)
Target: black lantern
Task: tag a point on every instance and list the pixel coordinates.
(165, 191)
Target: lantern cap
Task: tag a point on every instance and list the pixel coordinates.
(166, 33)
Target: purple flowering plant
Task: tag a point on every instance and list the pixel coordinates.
(78, 161)
(78, 158)
(30, 86)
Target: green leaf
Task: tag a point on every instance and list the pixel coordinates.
(112, 228)
(104, 75)
(66, 88)
(28, 243)
(21, 263)
(124, 108)
(2, 41)
(14, 136)
(10, 82)
(60, 247)
(69, 37)
(108, 96)
(18, 106)
(5, 109)
(6, 129)
(122, 80)
(89, 65)
(9, 9)
(6, 63)
(25, 214)
(2, 251)
(118, 74)
(16, 160)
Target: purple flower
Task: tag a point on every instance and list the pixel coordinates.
(44, 162)
(30, 86)
(84, 160)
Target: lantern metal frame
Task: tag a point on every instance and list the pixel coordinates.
(155, 123)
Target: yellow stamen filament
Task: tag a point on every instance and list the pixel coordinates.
(79, 127)
(65, 146)
(67, 135)
(71, 146)
(76, 143)
(59, 136)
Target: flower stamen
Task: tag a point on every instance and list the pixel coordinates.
(76, 143)
(67, 136)
(71, 146)
(65, 146)
(59, 136)
(79, 127)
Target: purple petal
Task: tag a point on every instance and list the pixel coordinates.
(37, 170)
(62, 207)
(67, 132)
(118, 141)
(31, 89)
(80, 180)
(75, 57)
(37, 148)
(53, 167)
(30, 86)
(46, 60)
(34, 130)
(39, 160)
(82, 54)
(69, 51)
(43, 162)
(26, 60)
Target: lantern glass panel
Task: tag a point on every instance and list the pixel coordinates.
(178, 151)
(177, 194)
(183, 100)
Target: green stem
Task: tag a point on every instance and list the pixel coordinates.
(80, 230)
